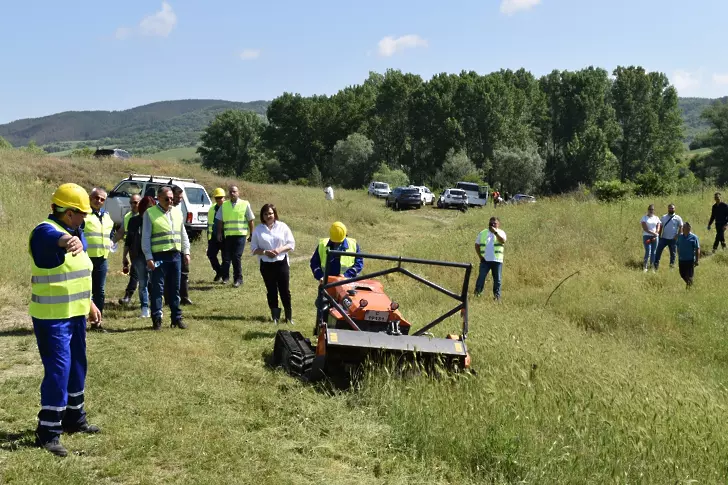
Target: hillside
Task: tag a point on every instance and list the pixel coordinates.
(620, 378)
(148, 128)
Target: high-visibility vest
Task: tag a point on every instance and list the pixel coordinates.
(128, 216)
(64, 291)
(233, 218)
(346, 262)
(497, 246)
(98, 235)
(165, 236)
(211, 221)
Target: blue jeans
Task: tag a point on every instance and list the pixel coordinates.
(168, 274)
(234, 247)
(650, 249)
(490, 266)
(62, 347)
(671, 244)
(139, 264)
(98, 281)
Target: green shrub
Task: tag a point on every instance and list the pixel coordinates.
(651, 183)
(612, 190)
(395, 178)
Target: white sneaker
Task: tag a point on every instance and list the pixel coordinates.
(146, 313)
(645, 270)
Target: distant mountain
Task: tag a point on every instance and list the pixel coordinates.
(152, 127)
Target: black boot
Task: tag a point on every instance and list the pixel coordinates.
(289, 320)
(53, 446)
(276, 314)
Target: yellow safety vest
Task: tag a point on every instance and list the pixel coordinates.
(346, 262)
(497, 246)
(233, 218)
(64, 291)
(98, 235)
(128, 216)
(211, 221)
(165, 236)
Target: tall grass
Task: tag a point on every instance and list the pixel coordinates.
(619, 379)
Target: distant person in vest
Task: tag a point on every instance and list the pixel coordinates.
(489, 247)
(126, 267)
(271, 242)
(213, 245)
(60, 302)
(670, 228)
(98, 230)
(348, 266)
(184, 283)
(165, 245)
(237, 227)
(133, 249)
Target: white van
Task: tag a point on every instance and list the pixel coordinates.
(195, 201)
(477, 194)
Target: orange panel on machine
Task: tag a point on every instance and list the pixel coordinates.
(370, 290)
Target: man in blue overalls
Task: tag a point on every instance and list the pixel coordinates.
(60, 301)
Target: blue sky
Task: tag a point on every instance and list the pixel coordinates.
(90, 54)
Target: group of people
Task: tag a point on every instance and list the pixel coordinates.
(670, 231)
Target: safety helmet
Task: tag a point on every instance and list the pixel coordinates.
(337, 233)
(218, 192)
(72, 196)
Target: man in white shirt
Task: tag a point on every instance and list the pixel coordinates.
(329, 192)
(671, 228)
(489, 246)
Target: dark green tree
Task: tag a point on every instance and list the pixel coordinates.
(231, 142)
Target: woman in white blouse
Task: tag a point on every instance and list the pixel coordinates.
(650, 234)
(271, 242)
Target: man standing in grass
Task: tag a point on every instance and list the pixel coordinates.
(213, 245)
(236, 228)
(98, 231)
(133, 278)
(489, 247)
(719, 215)
(670, 228)
(60, 301)
(688, 248)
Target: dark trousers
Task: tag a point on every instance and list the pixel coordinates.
(497, 270)
(719, 236)
(167, 274)
(213, 248)
(687, 270)
(276, 277)
(184, 283)
(62, 347)
(234, 247)
(671, 244)
(98, 281)
(133, 281)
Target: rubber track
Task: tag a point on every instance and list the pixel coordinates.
(295, 353)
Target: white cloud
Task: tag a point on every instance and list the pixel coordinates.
(509, 7)
(687, 82)
(389, 46)
(720, 79)
(250, 54)
(159, 24)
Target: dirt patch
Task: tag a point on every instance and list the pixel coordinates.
(12, 318)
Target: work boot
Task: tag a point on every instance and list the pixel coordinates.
(217, 278)
(53, 446)
(238, 283)
(83, 428)
(225, 281)
(275, 314)
(179, 323)
(157, 323)
(126, 300)
(288, 317)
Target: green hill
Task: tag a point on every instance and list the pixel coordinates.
(148, 128)
(691, 109)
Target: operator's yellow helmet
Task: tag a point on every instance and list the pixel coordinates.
(337, 233)
(72, 196)
(218, 192)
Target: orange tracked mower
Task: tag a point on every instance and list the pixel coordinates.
(357, 321)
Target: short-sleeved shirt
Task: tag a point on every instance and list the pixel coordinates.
(686, 246)
(278, 235)
(489, 242)
(652, 222)
(671, 227)
(44, 244)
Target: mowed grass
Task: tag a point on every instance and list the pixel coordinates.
(175, 154)
(619, 379)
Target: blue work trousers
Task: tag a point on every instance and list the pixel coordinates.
(62, 347)
(490, 266)
(98, 281)
(168, 274)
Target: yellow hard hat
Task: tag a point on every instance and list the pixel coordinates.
(337, 233)
(218, 192)
(72, 196)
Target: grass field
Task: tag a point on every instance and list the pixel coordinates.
(621, 378)
(175, 154)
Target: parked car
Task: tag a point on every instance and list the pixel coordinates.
(195, 202)
(522, 198)
(477, 194)
(425, 194)
(402, 197)
(379, 189)
(453, 198)
(112, 152)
